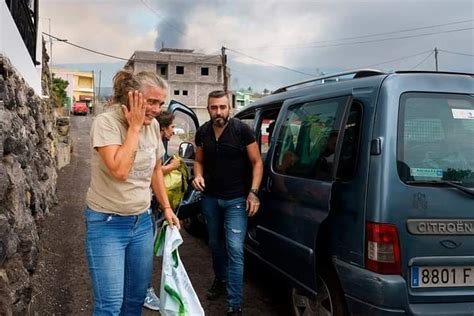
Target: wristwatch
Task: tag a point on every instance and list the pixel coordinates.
(254, 191)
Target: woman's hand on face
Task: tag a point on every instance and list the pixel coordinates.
(135, 113)
(171, 218)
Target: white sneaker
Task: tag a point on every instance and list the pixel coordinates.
(151, 300)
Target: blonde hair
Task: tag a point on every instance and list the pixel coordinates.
(125, 81)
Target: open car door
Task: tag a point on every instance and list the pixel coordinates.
(182, 144)
(186, 124)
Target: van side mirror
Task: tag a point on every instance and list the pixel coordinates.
(186, 150)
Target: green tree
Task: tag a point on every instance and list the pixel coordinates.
(59, 91)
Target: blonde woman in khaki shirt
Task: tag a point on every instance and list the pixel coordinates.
(125, 163)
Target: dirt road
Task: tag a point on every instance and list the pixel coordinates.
(62, 284)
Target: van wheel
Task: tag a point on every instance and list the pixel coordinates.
(329, 300)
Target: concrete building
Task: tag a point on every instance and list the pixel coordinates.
(243, 98)
(191, 76)
(81, 85)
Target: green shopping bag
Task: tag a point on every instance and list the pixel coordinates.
(176, 184)
(177, 296)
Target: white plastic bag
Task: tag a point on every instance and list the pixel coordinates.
(177, 294)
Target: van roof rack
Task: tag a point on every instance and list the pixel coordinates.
(359, 73)
(433, 72)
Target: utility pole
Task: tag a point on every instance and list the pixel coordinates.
(93, 93)
(224, 68)
(50, 50)
(98, 92)
(51, 47)
(436, 57)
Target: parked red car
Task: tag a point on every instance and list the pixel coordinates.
(79, 108)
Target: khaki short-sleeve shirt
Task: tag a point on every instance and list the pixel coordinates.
(131, 197)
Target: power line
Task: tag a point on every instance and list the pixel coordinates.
(424, 59)
(380, 40)
(112, 56)
(272, 64)
(84, 48)
(455, 53)
(364, 36)
(397, 59)
(387, 39)
(163, 18)
(403, 31)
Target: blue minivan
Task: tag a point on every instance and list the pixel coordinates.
(368, 192)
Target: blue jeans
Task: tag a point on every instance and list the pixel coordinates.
(120, 256)
(227, 226)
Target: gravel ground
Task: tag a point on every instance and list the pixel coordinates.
(62, 284)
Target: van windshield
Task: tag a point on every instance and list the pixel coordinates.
(436, 138)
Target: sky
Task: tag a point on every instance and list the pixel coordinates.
(269, 43)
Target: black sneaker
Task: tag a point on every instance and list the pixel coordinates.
(217, 289)
(234, 311)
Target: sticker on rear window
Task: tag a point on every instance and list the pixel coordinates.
(463, 114)
(426, 172)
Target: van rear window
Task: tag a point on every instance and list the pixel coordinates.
(436, 138)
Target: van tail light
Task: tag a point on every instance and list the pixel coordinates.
(382, 252)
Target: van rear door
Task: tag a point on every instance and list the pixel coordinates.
(423, 184)
(436, 163)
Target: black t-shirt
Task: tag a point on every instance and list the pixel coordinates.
(227, 169)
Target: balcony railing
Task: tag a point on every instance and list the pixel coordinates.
(25, 15)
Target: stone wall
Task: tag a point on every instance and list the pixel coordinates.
(27, 183)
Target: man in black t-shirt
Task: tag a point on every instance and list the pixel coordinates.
(228, 169)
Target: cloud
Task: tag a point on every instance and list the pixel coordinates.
(294, 33)
(106, 27)
(212, 30)
(302, 35)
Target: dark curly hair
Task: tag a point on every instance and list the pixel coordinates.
(165, 119)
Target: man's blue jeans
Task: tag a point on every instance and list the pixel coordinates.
(120, 256)
(227, 226)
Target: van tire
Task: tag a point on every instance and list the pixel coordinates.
(329, 300)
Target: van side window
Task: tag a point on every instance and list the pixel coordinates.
(307, 140)
(184, 131)
(350, 144)
(249, 119)
(267, 125)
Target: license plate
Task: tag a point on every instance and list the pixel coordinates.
(442, 276)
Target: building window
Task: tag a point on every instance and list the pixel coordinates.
(161, 69)
(185, 92)
(180, 70)
(204, 71)
(176, 92)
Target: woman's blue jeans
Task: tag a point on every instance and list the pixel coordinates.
(120, 256)
(227, 226)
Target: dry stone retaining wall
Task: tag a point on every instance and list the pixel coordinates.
(28, 150)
